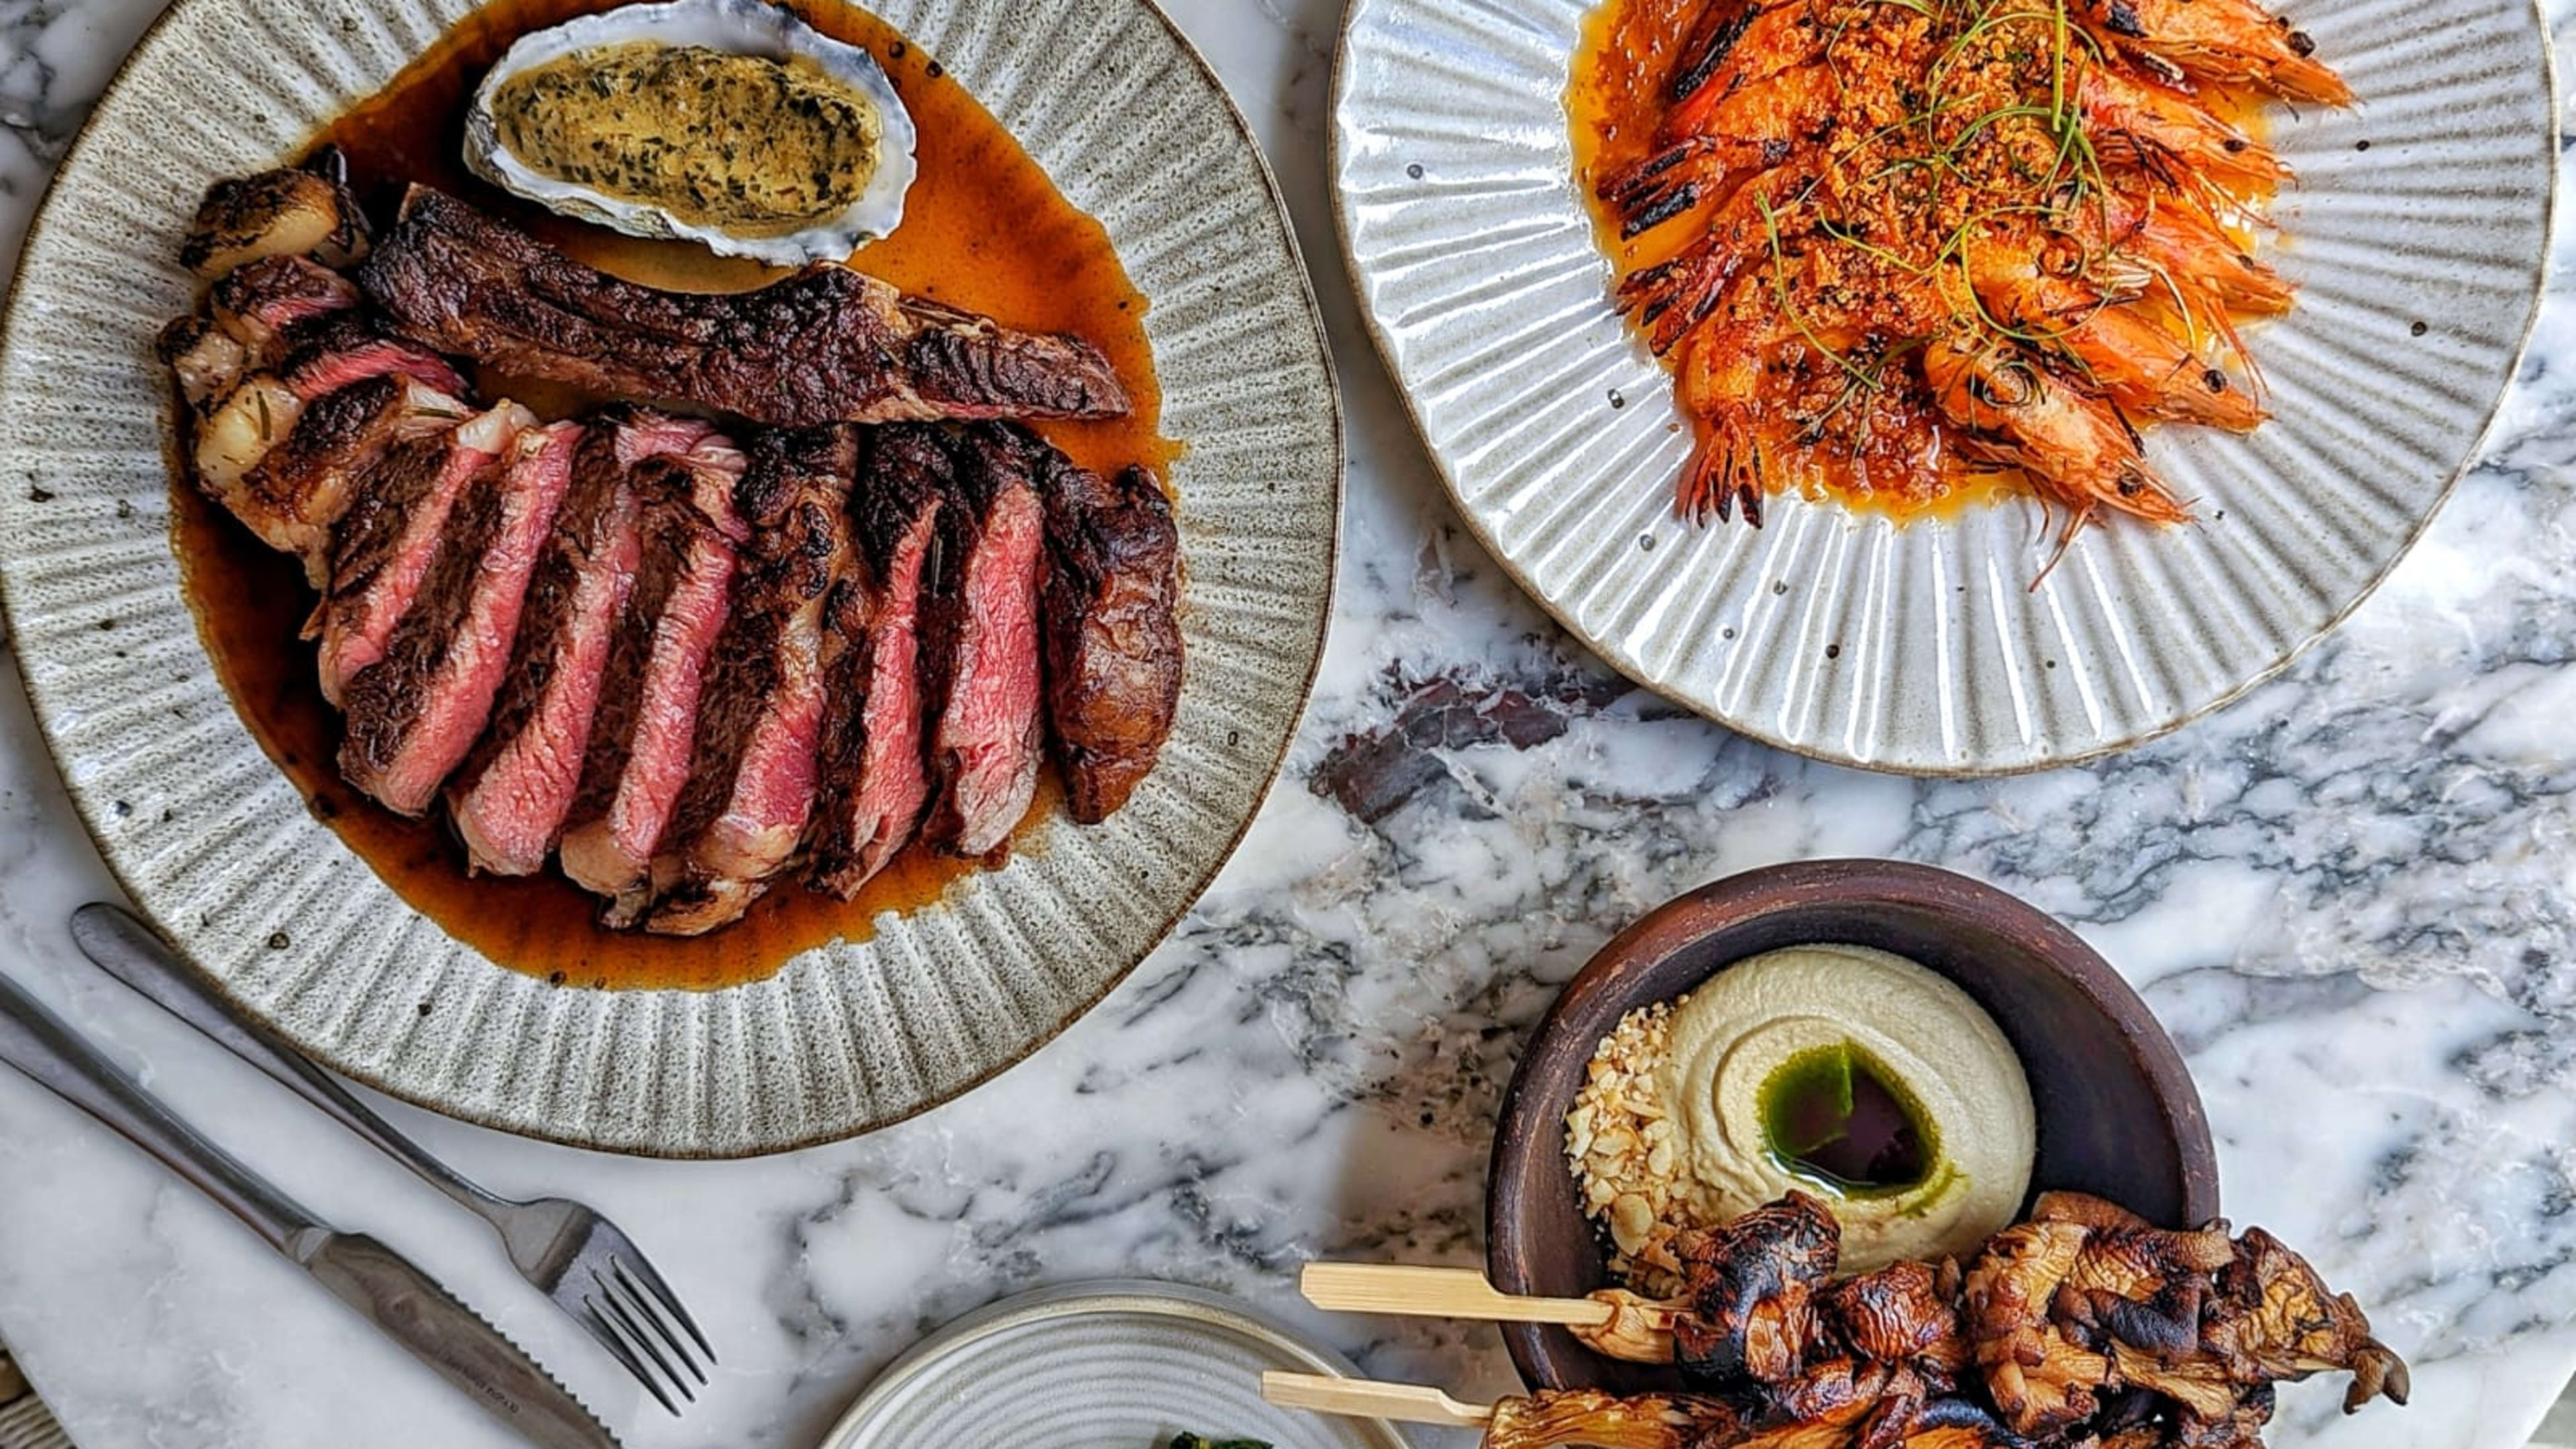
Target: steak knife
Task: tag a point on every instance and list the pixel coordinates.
(403, 1302)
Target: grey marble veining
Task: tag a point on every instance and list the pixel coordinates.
(2348, 895)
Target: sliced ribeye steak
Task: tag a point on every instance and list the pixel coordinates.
(751, 771)
(1111, 630)
(415, 712)
(509, 800)
(985, 747)
(827, 344)
(874, 777)
(641, 736)
(390, 537)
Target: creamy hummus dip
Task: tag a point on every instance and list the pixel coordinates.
(1777, 1065)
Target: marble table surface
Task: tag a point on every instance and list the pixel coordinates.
(2349, 896)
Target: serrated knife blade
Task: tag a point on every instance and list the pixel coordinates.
(403, 1302)
(456, 1342)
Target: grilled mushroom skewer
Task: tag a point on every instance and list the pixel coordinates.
(2082, 1326)
(1612, 1322)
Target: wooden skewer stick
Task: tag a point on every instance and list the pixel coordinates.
(1371, 1399)
(1438, 1293)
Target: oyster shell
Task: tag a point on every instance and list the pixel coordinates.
(802, 155)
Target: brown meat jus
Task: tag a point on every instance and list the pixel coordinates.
(827, 344)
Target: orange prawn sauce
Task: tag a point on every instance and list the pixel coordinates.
(983, 228)
(1909, 467)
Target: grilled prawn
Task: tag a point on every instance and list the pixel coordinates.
(1885, 244)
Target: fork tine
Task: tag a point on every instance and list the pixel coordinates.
(635, 1334)
(606, 1332)
(670, 1301)
(644, 1309)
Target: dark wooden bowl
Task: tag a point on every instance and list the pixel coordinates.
(2118, 1116)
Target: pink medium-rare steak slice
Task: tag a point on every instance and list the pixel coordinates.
(340, 350)
(638, 758)
(415, 713)
(873, 774)
(1112, 633)
(751, 774)
(303, 487)
(279, 339)
(510, 799)
(984, 750)
(390, 536)
(827, 344)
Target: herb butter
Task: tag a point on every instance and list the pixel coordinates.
(727, 122)
(737, 141)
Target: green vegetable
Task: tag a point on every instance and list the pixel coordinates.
(1201, 1441)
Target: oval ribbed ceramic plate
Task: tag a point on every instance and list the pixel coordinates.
(1923, 648)
(213, 841)
(1111, 1365)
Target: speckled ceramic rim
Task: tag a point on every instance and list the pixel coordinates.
(1557, 609)
(1528, 1134)
(1181, 1301)
(90, 808)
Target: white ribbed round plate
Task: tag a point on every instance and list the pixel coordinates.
(1107, 1365)
(213, 841)
(1922, 648)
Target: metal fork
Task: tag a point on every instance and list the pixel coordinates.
(580, 1260)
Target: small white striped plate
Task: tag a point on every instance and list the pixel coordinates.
(1117, 1364)
(2416, 233)
(215, 844)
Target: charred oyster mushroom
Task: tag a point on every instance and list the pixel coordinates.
(2042, 1380)
(1752, 1283)
(1551, 1417)
(2273, 1318)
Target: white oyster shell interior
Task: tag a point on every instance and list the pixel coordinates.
(738, 27)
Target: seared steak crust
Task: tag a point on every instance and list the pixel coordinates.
(304, 484)
(1112, 636)
(751, 772)
(873, 777)
(984, 751)
(827, 344)
(246, 322)
(268, 297)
